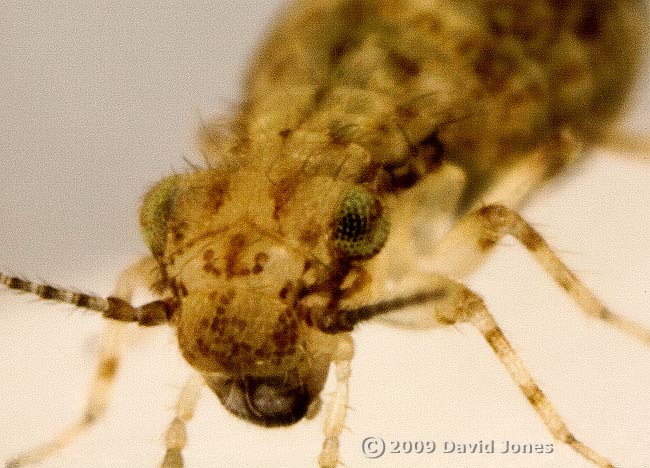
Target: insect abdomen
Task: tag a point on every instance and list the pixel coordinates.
(480, 83)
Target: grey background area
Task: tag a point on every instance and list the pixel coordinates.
(99, 100)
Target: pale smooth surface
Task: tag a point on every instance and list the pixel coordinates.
(99, 102)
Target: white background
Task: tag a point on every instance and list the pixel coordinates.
(97, 102)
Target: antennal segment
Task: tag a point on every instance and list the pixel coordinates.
(147, 315)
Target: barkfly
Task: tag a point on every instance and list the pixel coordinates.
(355, 136)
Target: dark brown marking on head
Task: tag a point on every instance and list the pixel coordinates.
(286, 289)
(204, 323)
(285, 133)
(225, 299)
(218, 321)
(208, 255)
(182, 289)
(260, 259)
(214, 324)
(234, 249)
(238, 324)
(203, 348)
(176, 229)
(108, 368)
(177, 234)
(217, 194)
(284, 336)
(213, 296)
(484, 211)
(241, 348)
(213, 270)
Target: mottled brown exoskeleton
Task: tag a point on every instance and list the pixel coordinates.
(372, 135)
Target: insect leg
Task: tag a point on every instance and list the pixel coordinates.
(635, 145)
(481, 318)
(527, 174)
(337, 409)
(176, 435)
(454, 303)
(474, 236)
(140, 273)
(112, 337)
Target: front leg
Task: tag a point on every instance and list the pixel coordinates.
(176, 434)
(452, 303)
(337, 409)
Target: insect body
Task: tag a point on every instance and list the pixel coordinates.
(363, 124)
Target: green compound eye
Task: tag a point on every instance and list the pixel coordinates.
(154, 213)
(361, 226)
